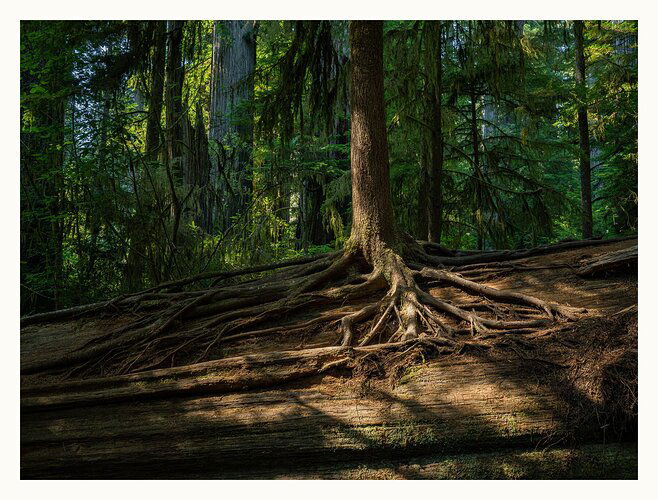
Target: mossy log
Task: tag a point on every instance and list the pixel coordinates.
(597, 461)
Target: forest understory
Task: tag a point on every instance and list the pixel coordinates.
(559, 323)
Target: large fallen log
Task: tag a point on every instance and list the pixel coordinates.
(213, 377)
(262, 414)
(451, 405)
(211, 421)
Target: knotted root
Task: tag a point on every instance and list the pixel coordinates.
(417, 311)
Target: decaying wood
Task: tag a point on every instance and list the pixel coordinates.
(621, 260)
(210, 417)
(215, 377)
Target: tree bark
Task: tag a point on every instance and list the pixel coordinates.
(174, 103)
(583, 132)
(174, 91)
(372, 210)
(477, 172)
(231, 114)
(156, 92)
(435, 171)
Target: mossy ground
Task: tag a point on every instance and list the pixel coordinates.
(611, 461)
(593, 461)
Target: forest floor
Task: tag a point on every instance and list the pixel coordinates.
(555, 402)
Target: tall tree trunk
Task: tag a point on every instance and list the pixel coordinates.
(477, 172)
(435, 170)
(372, 210)
(231, 114)
(423, 191)
(583, 131)
(174, 103)
(156, 91)
(174, 93)
(488, 120)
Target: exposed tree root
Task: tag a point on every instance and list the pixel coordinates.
(391, 284)
(123, 301)
(502, 295)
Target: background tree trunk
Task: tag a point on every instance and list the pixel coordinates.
(174, 91)
(174, 104)
(231, 114)
(423, 191)
(135, 260)
(583, 132)
(310, 229)
(477, 172)
(435, 171)
(156, 90)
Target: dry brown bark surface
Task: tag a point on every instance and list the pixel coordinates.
(288, 396)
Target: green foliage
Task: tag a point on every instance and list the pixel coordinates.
(96, 209)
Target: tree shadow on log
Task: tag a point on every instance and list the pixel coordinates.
(478, 402)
